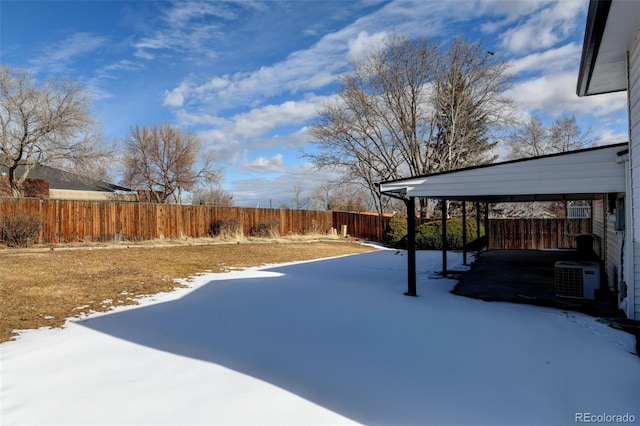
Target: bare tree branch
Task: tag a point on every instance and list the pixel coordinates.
(49, 125)
(162, 159)
(411, 108)
(212, 196)
(533, 138)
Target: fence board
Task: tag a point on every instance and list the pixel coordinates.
(359, 225)
(518, 234)
(71, 221)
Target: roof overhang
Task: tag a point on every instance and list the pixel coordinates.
(575, 175)
(611, 28)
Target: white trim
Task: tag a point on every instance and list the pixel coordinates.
(577, 174)
(633, 234)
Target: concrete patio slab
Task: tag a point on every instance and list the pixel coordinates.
(526, 276)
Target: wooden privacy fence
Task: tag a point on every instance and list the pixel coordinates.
(536, 233)
(361, 225)
(70, 220)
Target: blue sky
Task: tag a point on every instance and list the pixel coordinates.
(246, 76)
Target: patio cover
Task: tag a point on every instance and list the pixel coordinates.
(574, 175)
(578, 175)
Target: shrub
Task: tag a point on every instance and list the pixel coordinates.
(396, 231)
(226, 228)
(20, 230)
(429, 235)
(267, 229)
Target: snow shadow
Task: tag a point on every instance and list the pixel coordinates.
(340, 333)
(337, 332)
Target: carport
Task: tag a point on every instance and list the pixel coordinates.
(585, 174)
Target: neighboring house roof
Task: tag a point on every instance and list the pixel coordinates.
(603, 68)
(581, 174)
(59, 179)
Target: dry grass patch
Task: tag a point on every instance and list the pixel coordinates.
(44, 288)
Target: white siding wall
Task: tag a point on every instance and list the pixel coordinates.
(605, 230)
(597, 218)
(634, 135)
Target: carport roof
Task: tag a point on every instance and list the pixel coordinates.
(578, 175)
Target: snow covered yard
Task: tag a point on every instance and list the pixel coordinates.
(324, 342)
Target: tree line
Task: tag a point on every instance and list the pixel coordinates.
(411, 106)
(415, 106)
(52, 124)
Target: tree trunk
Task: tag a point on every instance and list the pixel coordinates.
(14, 184)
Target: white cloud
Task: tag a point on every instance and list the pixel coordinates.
(550, 61)
(318, 66)
(199, 118)
(124, 65)
(60, 56)
(265, 165)
(183, 13)
(363, 43)
(278, 191)
(556, 94)
(506, 11)
(545, 28)
(188, 27)
(216, 83)
(255, 128)
(175, 98)
(608, 137)
(237, 113)
(261, 120)
(301, 72)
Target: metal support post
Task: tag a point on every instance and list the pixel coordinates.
(445, 245)
(411, 248)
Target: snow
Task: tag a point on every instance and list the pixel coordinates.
(325, 342)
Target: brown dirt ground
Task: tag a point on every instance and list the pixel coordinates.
(42, 287)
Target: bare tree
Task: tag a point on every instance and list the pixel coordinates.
(533, 138)
(410, 108)
(299, 201)
(468, 102)
(163, 159)
(341, 196)
(530, 139)
(530, 209)
(566, 135)
(49, 124)
(212, 196)
(101, 166)
(321, 196)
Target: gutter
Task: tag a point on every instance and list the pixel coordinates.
(596, 22)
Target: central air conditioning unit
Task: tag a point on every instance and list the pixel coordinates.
(577, 279)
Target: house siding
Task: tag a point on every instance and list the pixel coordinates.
(634, 138)
(69, 194)
(597, 217)
(612, 255)
(608, 246)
